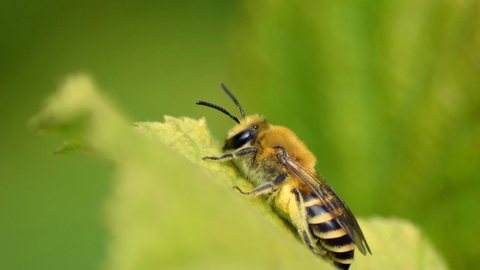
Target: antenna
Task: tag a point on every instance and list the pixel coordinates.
(234, 99)
(218, 108)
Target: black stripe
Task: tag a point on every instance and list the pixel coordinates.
(326, 226)
(343, 255)
(315, 210)
(338, 242)
(342, 266)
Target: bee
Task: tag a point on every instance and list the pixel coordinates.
(282, 169)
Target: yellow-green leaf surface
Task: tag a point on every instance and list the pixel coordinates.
(169, 209)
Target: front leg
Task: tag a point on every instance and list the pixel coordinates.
(230, 156)
(269, 187)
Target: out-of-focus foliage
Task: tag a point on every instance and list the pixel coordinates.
(168, 213)
(386, 94)
(152, 58)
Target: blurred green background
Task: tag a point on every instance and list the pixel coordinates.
(385, 93)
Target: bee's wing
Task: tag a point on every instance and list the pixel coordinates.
(335, 206)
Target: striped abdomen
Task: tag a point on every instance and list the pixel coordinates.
(332, 239)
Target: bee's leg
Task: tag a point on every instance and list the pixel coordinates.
(267, 188)
(230, 156)
(298, 214)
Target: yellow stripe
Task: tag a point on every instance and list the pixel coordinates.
(313, 202)
(345, 248)
(346, 261)
(327, 198)
(331, 234)
(338, 212)
(320, 219)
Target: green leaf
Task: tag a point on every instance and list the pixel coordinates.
(169, 209)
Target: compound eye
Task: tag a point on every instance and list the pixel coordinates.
(238, 140)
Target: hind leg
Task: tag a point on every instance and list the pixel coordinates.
(298, 215)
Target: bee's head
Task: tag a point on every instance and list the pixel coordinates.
(245, 131)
